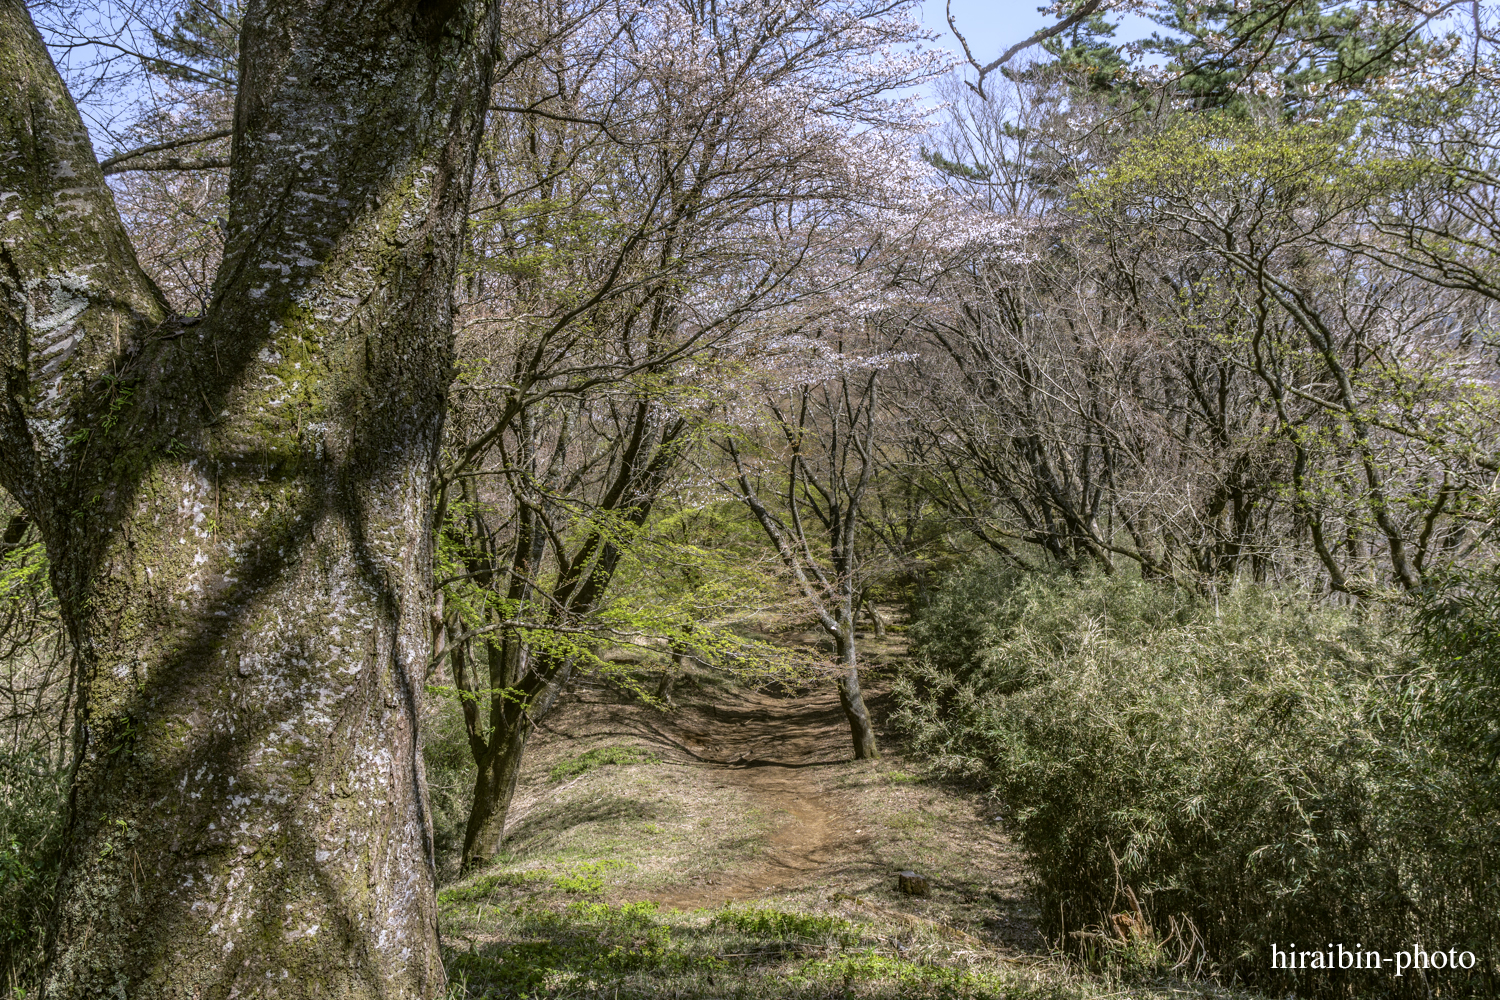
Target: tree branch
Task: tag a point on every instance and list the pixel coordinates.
(174, 163)
(112, 165)
(1089, 8)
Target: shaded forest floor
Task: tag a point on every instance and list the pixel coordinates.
(733, 848)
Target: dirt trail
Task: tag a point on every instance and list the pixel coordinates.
(751, 797)
(757, 797)
(773, 750)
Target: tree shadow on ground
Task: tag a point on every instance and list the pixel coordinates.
(543, 947)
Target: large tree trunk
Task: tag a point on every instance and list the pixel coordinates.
(237, 508)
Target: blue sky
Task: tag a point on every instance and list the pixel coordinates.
(992, 26)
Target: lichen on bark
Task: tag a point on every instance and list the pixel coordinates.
(237, 510)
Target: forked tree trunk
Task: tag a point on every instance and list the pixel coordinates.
(668, 680)
(837, 616)
(665, 683)
(494, 788)
(237, 509)
(499, 752)
(682, 659)
(526, 680)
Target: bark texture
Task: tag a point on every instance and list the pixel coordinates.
(237, 507)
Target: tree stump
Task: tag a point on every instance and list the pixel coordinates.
(912, 884)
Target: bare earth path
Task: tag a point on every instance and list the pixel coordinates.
(756, 797)
(772, 749)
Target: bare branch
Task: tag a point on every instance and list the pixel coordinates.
(1083, 13)
(112, 165)
(173, 163)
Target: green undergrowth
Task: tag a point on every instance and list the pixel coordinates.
(33, 773)
(535, 947)
(1196, 780)
(780, 925)
(596, 758)
(32, 800)
(522, 930)
(582, 877)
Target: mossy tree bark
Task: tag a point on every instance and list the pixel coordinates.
(236, 506)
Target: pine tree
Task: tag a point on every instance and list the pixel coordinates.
(201, 46)
(1291, 53)
(1086, 58)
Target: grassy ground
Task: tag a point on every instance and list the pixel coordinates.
(732, 848)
